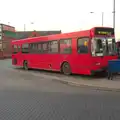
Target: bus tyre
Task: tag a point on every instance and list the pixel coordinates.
(66, 68)
(25, 65)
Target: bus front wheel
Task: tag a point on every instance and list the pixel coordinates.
(25, 65)
(66, 68)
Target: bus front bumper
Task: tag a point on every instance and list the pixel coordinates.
(103, 69)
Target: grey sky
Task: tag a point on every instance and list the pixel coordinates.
(67, 15)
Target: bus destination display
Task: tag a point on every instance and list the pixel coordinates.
(104, 31)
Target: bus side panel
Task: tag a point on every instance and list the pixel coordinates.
(43, 61)
(33, 60)
(54, 62)
(82, 64)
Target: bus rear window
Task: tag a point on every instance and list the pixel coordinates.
(14, 49)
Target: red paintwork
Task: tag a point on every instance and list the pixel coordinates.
(79, 63)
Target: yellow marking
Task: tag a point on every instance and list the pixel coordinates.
(103, 32)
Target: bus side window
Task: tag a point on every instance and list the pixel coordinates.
(25, 48)
(39, 48)
(45, 47)
(33, 48)
(53, 45)
(15, 49)
(82, 45)
(66, 46)
(19, 48)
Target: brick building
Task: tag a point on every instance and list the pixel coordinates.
(7, 34)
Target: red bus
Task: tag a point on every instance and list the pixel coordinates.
(84, 52)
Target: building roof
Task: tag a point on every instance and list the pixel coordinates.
(7, 25)
(27, 34)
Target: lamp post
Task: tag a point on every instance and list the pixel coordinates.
(24, 27)
(102, 18)
(114, 14)
(32, 23)
(102, 14)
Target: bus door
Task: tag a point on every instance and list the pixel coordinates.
(83, 55)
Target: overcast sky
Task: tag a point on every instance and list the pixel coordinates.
(65, 15)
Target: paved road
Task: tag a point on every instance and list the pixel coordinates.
(34, 96)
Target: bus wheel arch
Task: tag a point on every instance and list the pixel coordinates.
(25, 65)
(65, 68)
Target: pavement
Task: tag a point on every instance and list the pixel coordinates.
(96, 82)
(35, 95)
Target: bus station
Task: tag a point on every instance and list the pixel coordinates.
(60, 60)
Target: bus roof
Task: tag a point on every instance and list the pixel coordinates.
(56, 36)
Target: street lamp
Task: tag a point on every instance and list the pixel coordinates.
(32, 23)
(102, 17)
(114, 14)
(24, 27)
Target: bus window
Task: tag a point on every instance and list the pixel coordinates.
(34, 48)
(53, 46)
(45, 47)
(39, 47)
(19, 48)
(15, 49)
(66, 46)
(25, 48)
(82, 45)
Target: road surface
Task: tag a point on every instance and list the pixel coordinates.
(30, 96)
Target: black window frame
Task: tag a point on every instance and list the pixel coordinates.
(87, 46)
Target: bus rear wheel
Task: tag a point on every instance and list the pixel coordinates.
(25, 65)
(66, 68)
